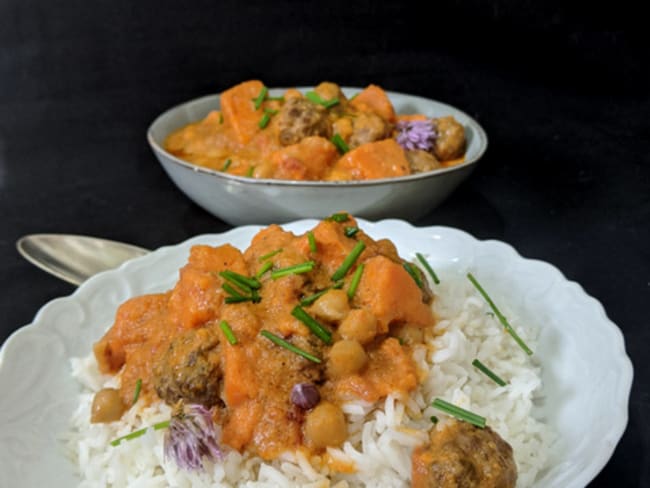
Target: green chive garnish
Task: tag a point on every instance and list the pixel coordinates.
(229, 289)
(138, 387)
(487, 372)
(459, 413)
(338, 285)
(353, 96)
(339, 217)
(226, 165)
(239, 299)
(265, 267)
(314, 97)
(139, 433)
(264, 121)
(305, 267)
(340, 144)
(317, 329)
(312, 241)
(221, 118)
(281, 342)
(270, 255)
(312, 298)
(239, 279)
(433, 419)
(356, 278)
(349, 261)
(227, 331)
(415, 274)
(500, 316)
(260, 98)
(275, 99)
(249, 172)
(428, 268)
(350, 231)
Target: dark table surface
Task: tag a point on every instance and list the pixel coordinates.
(562, 92)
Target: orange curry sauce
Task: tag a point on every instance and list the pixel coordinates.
(255, 375)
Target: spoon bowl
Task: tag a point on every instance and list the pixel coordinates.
(75, 258)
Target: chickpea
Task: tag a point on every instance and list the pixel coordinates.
(359, 325)
(409, 334)
(325, 426)
(332, 306)
(346, 357)
(107, 406)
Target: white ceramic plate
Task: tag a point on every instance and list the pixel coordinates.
(239, 200)
(586, 372)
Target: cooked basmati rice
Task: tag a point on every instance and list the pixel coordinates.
(382, 436)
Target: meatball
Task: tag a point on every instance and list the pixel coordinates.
(368, 127)
(300, 118)
(450, 139)
(421, 161)
(189, 369)
(461, 455)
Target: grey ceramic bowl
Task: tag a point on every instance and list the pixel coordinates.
(239, 200)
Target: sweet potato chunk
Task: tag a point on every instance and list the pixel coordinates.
(374, 99)
(239, 110)
(380, 159)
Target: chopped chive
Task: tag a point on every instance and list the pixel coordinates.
(312, 241)
(314, 97)
(260, 98)
(499, 315)
(227, 331)
(229, 289)
(249, 172)
(265, 267)
(433, 419)
(317, 329)
(349, 261)
(414, 272)
(350, 231)
(226, 165)
(353, 96)
(459, 413)
(270, 111)
(305, 267)
(340, 144)
(275, 99)
(287, 345)
(339, 217)
(485, 370)
(270, 255)
(238, 299)
(429, 269)
(139, 433)
(338, 285)
(220, 118)
(138, 387)
(312, 298)
(264, 121)
(238, 278)
(356, 278)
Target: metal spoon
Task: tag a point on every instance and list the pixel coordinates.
(75, 258)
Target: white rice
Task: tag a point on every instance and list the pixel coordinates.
(382, 436)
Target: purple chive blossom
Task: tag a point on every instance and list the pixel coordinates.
(191, 437)
(305, 395)
(416, 134)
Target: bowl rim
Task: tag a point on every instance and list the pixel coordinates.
(467, 164)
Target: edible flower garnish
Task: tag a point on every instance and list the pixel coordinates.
(416, 134)
(305, 395)
(191, 437)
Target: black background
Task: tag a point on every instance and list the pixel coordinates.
(562, 91)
